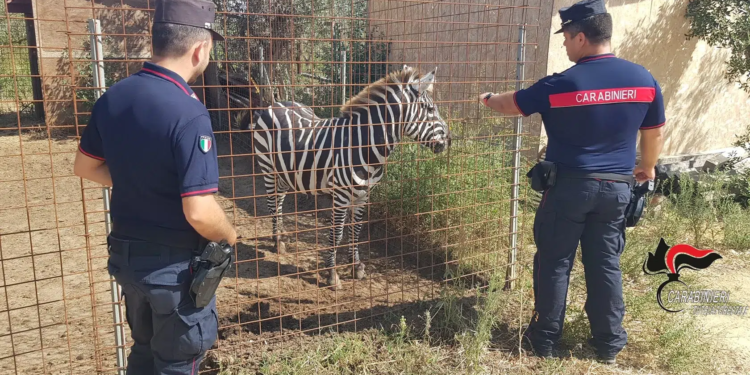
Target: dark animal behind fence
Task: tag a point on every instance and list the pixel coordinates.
(343, 156)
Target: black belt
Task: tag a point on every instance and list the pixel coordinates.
(164, 236)
(630, 179)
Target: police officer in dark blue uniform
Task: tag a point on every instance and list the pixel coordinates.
(150, 139)
(592, 113)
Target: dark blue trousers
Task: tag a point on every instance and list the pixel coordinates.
(591, 212)
(170, 334)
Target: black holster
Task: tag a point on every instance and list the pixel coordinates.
(543, 175)
(207, 270)
(634, 211)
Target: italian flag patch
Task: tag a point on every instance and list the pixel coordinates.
(204, 143)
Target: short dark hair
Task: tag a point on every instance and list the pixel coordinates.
(597, 29)
(173, 40)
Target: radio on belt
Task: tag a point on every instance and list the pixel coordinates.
(208, 269)
(634, 210)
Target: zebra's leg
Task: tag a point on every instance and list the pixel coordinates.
(334, 239)
(275, 200)
(359, 267)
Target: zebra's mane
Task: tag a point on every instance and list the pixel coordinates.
(375, 92)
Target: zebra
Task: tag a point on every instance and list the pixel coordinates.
(343, 157)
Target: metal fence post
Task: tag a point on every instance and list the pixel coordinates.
(343, 77)
(510, 276)
(97, 64)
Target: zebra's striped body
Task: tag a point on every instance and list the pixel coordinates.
(344, 156)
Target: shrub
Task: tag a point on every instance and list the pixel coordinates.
(458, 201)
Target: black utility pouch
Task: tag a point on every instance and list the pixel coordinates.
(208, 269)
(543, 175)
(634, 211)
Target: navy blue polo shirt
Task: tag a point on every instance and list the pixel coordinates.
(592, 112)
(156, 137)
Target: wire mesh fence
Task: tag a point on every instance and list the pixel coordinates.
(432, 220)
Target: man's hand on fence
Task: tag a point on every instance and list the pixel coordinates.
(503, 103)
(484, 97)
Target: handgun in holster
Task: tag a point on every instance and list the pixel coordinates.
(208, 269)
(543, 175)
(634, 211)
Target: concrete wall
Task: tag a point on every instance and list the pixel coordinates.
(704, 112)
(473, 43)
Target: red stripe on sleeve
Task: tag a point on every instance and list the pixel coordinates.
(606, 96)
(516, 103)
(653, 127)
(200, 192)
(89, 155)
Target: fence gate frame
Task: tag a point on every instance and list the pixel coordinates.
(100, 84)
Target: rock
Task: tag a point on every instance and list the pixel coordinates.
(716, 162)
(733, 152)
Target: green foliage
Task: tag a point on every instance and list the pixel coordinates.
(302, 43)
(736, 228)
(466, 335)
(14, 61)
(457, 200)
(726, 24)
(698, 204)
(475, 340)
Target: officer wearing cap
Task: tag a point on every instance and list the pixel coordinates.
(593, 113)
(151, 140)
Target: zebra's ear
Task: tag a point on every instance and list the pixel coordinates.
(424, 84)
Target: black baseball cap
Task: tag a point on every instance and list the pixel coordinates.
(197, 13)
(580, 11)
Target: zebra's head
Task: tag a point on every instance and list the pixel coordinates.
(422, 121)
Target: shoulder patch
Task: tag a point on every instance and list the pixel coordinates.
(204, 143)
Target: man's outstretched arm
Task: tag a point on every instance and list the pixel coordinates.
(525, 102)
(503, 103)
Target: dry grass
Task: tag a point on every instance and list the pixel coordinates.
(479, 335)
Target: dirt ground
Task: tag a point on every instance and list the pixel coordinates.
(55, 301)
(730, 274)
(275, 295)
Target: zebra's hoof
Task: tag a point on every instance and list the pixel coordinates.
(359, 271)
(334, 282)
